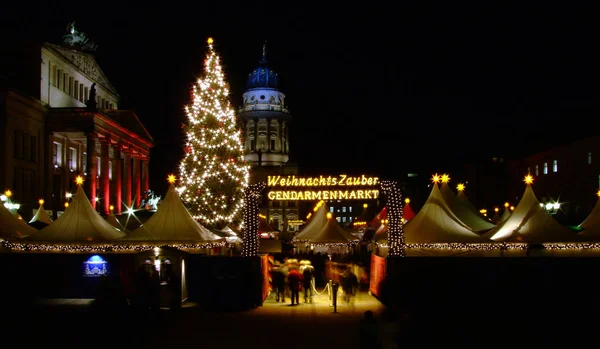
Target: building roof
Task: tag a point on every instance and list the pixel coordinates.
(130, 121)
(529, 222)
(172, 222)
(79, 223)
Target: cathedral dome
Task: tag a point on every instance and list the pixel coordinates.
(262, 76)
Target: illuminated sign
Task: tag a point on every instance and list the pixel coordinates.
(95, 266)
(341, 187)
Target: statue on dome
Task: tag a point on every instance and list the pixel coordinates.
(77, 39)
(91, 102)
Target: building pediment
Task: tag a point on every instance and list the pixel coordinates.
(85, 63)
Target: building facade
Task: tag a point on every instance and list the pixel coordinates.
(568, 174)
(265, 123)
(59, 119)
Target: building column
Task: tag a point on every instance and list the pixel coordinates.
(91, 169)
(127, 172)
(146, 174)
(268, 135)
(118, 180)
(137, 174)
(287, 137)
(105, 179)
(280, 136)
(255, 134)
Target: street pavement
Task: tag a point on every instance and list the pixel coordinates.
(75, 323)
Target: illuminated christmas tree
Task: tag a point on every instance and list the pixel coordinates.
(213, 172)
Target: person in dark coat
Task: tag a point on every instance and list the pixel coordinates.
(295, 282)
(278, 277)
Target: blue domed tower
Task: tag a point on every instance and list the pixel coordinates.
(265, 118)
(266, 122)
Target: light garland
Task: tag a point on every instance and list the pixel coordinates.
(213, 171)
(394, 216)
(251, 219)
(104, 247)
(493, 246)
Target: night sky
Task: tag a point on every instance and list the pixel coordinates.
(372, 88)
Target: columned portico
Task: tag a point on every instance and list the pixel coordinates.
(105, 174)
(145, 175)
(118, 187)
(128, 182)
(137, 174)
(91, 169)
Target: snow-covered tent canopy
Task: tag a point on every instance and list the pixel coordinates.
(172, 222)
(11, 226)
(591, 224)
(529, 222)
(333, 233)
(315, 223)
(79, 223)
(466, 215)
(436, 223)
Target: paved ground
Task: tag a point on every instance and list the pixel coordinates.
(74, 323)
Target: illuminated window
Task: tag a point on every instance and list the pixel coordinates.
(350, 208)
(331, 209)
(99, 166)
(337, 219)
(537, 170)
(349, 219)
(344, 209)
(84, 160)
(589, 158)
(110, 170)
(72, 159)
(555, 166)
(57, 153)
(528, 169)
(545, 168)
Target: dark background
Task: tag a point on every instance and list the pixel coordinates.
(376, 87)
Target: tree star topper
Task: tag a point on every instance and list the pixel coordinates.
(79, 180)
(460, 187)
(171, 178)
(435, 178)
(528, 179)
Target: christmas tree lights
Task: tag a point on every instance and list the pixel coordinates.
(394, 211)
(213, 171)
(251, 219)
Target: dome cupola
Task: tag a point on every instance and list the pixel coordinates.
(262, 76)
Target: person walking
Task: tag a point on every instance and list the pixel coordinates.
(294, 282)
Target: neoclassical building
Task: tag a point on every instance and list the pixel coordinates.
(59, 118)
(265, 122)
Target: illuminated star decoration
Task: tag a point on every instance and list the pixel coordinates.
(598, 193)
(435, 178)
(460, 187)
(445, 178)
(79, 180)
(171, 178)
(407, 201)
(528, 179)
(41, 201)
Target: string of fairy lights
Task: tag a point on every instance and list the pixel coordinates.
(251, 219)
(104, 247)
(394, 211)
(213, 171)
